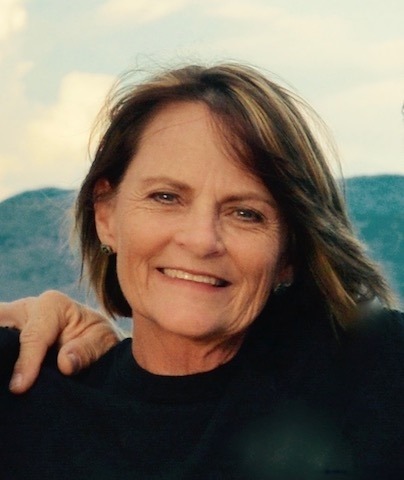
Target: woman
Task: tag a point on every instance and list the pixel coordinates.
(210, 216)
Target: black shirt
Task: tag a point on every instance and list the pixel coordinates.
(298, 406)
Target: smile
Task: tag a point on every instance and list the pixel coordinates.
(181, 274)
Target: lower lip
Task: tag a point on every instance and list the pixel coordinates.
(206, 287)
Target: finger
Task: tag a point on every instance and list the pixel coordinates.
(81, 352)
(27, 367)
(33, 348)
(40, 332)
(13, 314)
(77, 355)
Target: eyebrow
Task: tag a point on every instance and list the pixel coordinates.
(248, 195)
(149, 181)
(251, 196)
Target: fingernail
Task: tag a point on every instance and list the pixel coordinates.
(75, 361)
(16, 381)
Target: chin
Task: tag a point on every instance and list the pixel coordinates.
(194, 328)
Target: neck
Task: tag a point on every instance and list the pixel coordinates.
(164, 353)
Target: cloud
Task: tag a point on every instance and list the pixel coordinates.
(57, 138)
(9, 172)
(139, 11)
(13, 19)
(47, 145)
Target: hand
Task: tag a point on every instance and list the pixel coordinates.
(82, 333)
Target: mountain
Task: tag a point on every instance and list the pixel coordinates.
(34, 236)
(376, 206)
(34, 244)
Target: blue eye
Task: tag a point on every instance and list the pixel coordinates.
(248, 215)
(164, 197)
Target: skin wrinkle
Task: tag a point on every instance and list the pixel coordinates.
(196, 326)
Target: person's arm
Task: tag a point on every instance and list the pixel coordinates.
(83, 334)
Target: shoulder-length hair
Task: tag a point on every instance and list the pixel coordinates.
(272, 132)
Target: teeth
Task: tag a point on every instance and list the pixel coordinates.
(170, 272)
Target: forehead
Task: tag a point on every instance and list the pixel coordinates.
(181, 129)
(186, 138)
(175, 118)
(191, 126)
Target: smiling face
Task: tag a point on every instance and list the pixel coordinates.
(199, 242)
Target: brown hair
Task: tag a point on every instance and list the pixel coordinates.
(267, 128)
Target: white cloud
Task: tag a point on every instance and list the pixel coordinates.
(13, 19)
(139, 11)
(8, 170)
(48, 145)
(57, 139)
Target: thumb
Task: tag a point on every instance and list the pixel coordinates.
(80, 353)
(71, 358)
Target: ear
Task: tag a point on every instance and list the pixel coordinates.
(286, 275)
(104, 211)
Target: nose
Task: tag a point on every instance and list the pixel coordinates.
(200, 232)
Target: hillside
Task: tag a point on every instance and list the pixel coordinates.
(34, 244)
(376, 206)
(34, 230)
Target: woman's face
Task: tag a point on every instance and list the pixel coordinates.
(199, 242)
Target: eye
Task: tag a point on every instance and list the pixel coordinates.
(164, 197)
(249, 215)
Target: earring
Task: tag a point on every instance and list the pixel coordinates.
(106, 249)
(281, 287)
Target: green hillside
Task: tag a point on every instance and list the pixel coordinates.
(376, 206)
(34, 244)
(34, 230)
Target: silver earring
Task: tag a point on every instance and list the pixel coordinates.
(106, 249)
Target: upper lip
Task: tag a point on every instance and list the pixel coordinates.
(220, 279)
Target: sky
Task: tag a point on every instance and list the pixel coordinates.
(58, 60)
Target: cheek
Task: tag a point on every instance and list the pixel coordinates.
(263, 280)
(264, 261)
(132, 234)
(266, 277)
(131, 249)
(139, 241)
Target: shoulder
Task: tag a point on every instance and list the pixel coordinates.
(105, 367)
(109, 371)
(381, 330)
(384, 319)
(374, 362)
(374, 367)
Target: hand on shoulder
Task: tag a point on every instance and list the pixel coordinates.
(83, 334)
